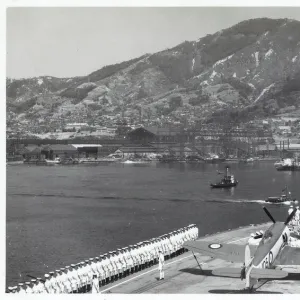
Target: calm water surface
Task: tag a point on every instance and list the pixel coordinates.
(63, 214)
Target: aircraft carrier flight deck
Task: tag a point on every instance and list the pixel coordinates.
(184, 275)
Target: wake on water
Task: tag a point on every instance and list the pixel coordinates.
(252, 201)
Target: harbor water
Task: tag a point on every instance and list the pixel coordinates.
(61, 215)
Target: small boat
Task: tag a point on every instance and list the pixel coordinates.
(228, 181)
(286, 198)
(57, 161)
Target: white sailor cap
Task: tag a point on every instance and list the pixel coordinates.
(47, 275)
(10, 288)
(68, 267)
(82, 262)
(257, 233)
(27, 282)
(91, 259)
(291, 206)
(57, 271)
(252, 234)
(101, 255)
(39, 278)
(51, 273)
(33, 280)
(62, 269)
(21, 284)
(261, 232)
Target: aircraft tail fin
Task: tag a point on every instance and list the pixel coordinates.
(227, 272)
(258, 273)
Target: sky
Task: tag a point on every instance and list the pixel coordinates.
(67, 42)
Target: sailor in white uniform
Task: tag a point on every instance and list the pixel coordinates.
(102, 270)
(83, 277)
(135, 258)
(94, 267)
(52, 282)
(28, 289)
(40, 286)
(21, 288)
(161, 263)
(47, 284)
(73, 279)
(72, 283)
(128, 260)
(105, 263)
(89, 274)
(119, 264)
(84, 273)
(111, 266)
(34, 286)
(61, 279)
(99, 271)
(152, 252)
(95, 285)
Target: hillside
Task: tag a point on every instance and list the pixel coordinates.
(248, 71)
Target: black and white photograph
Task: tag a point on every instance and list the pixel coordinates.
(152, 149)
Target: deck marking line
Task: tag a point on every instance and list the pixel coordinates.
(172, 262)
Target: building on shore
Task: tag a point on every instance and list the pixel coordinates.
(59, 151)
(267, 150)
(32, 152)
(88, 150)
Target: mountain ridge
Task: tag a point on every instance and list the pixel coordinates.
(251, 65)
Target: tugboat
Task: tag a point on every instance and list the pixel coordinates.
(286, 197)
(227, 182)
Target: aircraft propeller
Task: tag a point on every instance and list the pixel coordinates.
(290, 217)
(269, 214)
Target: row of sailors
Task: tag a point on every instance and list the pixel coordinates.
(79, 278)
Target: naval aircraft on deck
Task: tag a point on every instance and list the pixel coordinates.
(262, 261)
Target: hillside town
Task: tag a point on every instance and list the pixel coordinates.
(122, 140)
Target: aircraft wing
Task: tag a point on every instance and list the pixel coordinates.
(289, 256)
(228, 252)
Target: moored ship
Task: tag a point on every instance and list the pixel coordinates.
(228, 181)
